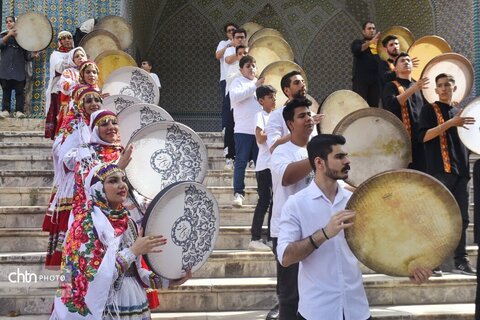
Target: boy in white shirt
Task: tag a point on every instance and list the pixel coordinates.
(266, 96)
(245, 107)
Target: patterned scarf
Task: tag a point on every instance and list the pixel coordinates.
(87, 242)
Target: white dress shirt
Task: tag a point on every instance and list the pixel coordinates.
(244, 104)
(329, 279)
(263, 157)
(276, 127)
(222, 44)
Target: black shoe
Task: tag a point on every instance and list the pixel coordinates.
(437, 272)
(273, 313)
(464, 268)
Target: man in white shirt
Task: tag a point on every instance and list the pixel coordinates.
(312, 233)
(245, 107)
(291, 172)
(147, 66)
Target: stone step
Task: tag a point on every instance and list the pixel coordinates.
(27, 124)
(26, 178)
(26, 148)
(32, 216)
(26, 162)
(44, 178)
(22, 136)
(463, 311)
(220, 264)
(215, 149)
(24, 196)
(211, 137)
(254, 293)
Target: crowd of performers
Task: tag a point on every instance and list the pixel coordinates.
(303, 172)
(94, 235)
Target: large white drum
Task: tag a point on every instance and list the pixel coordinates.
(118, 102)
(164, 153)
(471, 136)
(376, 142)
(186, 214)
(138, 116)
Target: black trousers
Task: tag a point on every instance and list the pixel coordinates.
(228, 138)
(222, 84)
(476, 229)
(287, 288)
(7, 87)
(368, 90)
(458, 187)
(264, 204)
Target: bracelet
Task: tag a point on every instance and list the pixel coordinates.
(326, 237)
(312, 242)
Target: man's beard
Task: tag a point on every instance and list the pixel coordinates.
(335, 175)
(299, 94)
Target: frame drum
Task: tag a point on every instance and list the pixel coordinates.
(165, 152)
(99, 41)
(425, 49)
(377, 141)
(119, 27)
(111, 60)
(454, 64)
(138, 116)
(405, 219)
(471, 136)
(337, 106)
(270, 49)
(34, 31)
(263, 33)
(251, 28)
(273, 74)
(118, 102)
(132, 81)
(405, 39)
(187, 215)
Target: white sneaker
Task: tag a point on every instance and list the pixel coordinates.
(228, 164)
(258, 245)
(19, 115)
(238, 200)
(4, 114)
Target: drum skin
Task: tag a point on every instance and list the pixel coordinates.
(337, 106)
(425, 49)
(404, 219)
(187, 215)
(132, 81)
(274, 72)
(118, 102)
(138, 116)
(405, 39)
(119, 27)
(471, 136)
(99, 41)
(111, 60)
(251, 28)
(165, 152)
(376, 142)
(454, 64)
(263, 33)
(270, 49)
(34, 31)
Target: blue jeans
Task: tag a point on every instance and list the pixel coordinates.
(246, 149)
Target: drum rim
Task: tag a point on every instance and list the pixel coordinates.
(153, 204)
(457, 57)
(116, 52)
(331, 95)
(105, 19)
(274, 31)
(368, 112)
(92, 34)
(46, 19)
(390, 31)
(475, 103)
(156, 90)
(425, 176)
(292, 63)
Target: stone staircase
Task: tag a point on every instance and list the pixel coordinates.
(233, 284)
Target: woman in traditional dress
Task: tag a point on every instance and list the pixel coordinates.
(68, 81)
(102, 276)
(73, 133)
(58, 63)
